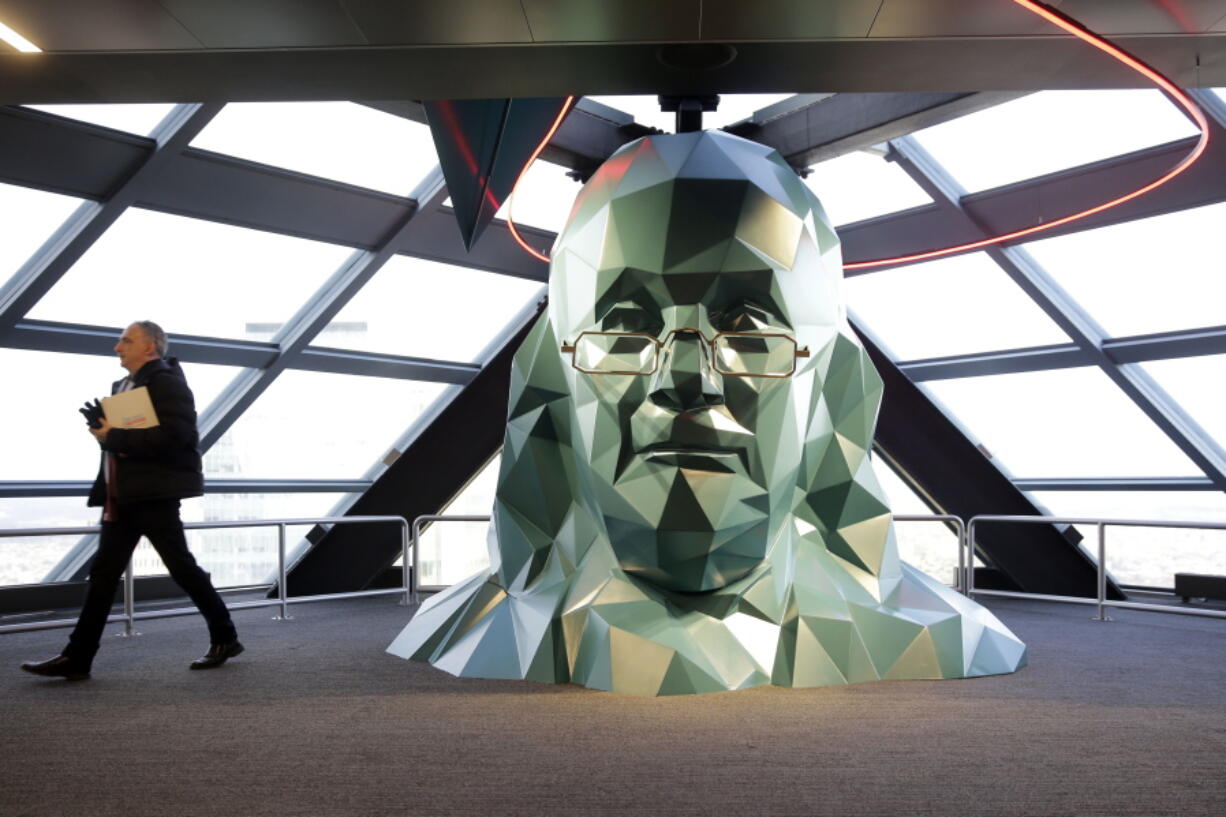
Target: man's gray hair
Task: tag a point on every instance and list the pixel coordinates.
(156, 334)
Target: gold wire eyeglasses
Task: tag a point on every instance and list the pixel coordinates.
(732, 354)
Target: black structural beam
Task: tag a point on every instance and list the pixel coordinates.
(34, 147)
(950, 472)
(575, 63)
(428, 474)
(36, 488)
(50, 336)
(829, 125)
(1134, 349)
(1046, 198)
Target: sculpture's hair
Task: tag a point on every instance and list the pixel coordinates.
(156, 334)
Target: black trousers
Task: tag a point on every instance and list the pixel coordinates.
(157, 519)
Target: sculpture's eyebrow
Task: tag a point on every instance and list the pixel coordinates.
(749, 306)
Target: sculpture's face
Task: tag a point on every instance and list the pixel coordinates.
(692, 461)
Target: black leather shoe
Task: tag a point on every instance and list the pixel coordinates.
(59, 667)
(217, 655)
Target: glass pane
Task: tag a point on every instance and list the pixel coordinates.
(426, 309)
(1196, 384)
(862, 185)
(930, 547)
(453, 551)
(949, 306)
(53, 386)
(543, 199)
(316, 425)
(335, 140)
(1149, 557)
(1050, 131)
(138, 119)
(243, 556)
(27, 560)
(30, 217)
(1152, 275)
(1061, 423)
(192, 277)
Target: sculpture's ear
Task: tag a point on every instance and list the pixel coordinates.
(842, 498)
(535, 501)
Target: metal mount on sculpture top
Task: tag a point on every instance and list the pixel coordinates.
(689, 109)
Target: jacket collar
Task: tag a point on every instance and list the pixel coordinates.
(147, 371)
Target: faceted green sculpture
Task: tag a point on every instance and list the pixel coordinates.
(686, 502)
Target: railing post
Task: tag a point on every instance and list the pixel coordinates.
(412, 567)
(961, 588)
(1102, 573)
(407, 573)
(282, 575)
(970, 558)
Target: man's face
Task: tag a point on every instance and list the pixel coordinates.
(134, 348)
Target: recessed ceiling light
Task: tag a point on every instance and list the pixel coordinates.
(16, 40)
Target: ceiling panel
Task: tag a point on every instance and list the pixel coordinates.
(266, 24)
(769, 19)
(956, 18)
(96, 25)
(1149, 17)
(386, 22)
(603, 21)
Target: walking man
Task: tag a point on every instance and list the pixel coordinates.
(144, 474)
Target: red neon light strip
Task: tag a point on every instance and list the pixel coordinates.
(1183, 100)
(511, 198)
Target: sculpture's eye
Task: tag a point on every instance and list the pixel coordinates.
(747, 317)
(630, 317)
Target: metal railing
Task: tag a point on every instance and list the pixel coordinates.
(411, 536)
(1101, 600)
(130, 616)
(959, 530)
(419, 523)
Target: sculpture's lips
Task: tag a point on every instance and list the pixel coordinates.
(703, 458)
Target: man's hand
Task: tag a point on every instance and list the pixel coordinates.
(92, 412)
(101, 430)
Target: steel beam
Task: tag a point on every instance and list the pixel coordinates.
(803, 60)
(1046, 198)
(833, 124)
(294, 337)
(26, 489)
(1135, 349)
(1118, 484)
(1058, 305)
(48, 336)
(91, 219)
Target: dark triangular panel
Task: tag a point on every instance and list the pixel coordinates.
(482, 146)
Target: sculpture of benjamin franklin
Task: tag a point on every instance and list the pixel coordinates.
(686, 501)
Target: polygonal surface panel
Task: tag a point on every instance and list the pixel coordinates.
(691, 515)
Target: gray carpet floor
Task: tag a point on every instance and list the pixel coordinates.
(1119, 718)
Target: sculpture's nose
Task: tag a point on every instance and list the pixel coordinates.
(686, 380)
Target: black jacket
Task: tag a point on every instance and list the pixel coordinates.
(162, 462)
